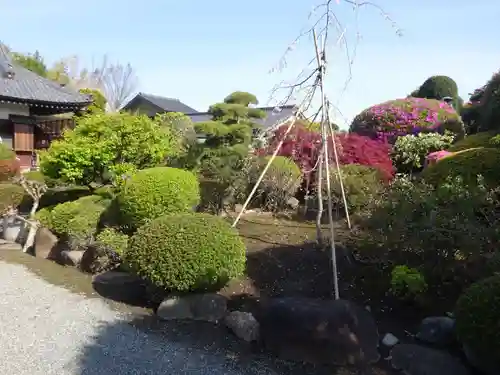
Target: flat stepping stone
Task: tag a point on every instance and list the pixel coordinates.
(418, 360)
(6, 245)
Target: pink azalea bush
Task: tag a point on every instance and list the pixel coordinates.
(389, 120)
(435, 156)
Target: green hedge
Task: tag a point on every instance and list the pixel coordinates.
(467, 164)
(478, 319)
(187, 252)
(56, 196)
(151, 193)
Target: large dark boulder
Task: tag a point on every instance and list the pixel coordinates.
(335, 332)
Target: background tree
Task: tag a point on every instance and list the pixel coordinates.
(33, 62)
(98, 101)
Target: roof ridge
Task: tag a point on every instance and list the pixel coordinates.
(157, 96)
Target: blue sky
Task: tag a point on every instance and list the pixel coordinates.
(199, 51)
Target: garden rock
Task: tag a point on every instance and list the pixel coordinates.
(13, 229)
(121, 286)
(418, 360)
(72, 258)
(209, 307)
(46, 245)
(293, 203)
(335, 332)
(438, 330)
(390, 340)
(244, 325)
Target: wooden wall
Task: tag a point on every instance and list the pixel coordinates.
(24, 137)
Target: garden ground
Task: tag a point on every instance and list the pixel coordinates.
(282, 260)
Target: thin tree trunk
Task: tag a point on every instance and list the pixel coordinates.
(319, 188)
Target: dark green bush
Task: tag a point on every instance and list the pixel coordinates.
(478, 320)
(11, 195)
(280, 183)
(489, 108)
(151, 193)
(187, 252)
(213, 193)
(467, 164)
(438, 87)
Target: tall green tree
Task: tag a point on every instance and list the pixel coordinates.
(233, 121)
(33, 62)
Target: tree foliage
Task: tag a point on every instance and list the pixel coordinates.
(99, 101)
(33, 62)
(98, 142)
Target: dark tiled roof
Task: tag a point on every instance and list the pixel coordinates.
(26, 86)
(274, 115)
(167, 104)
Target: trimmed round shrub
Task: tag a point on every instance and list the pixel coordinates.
(78, 218)
(467, 164)
(438, 87)
(40, 177)
(362, 185)
(399, 117)
(483, 139)
(154, 192)
(186, 252)
(11, 195)
(477, 315)
(279, 184)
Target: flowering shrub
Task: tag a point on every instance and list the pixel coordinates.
(410, 151)
(303, 146)
(399, 117)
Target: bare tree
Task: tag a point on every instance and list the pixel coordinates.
(116, 81)
(119, 82)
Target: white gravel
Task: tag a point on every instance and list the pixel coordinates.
(45, 329)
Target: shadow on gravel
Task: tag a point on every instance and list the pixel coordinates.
(146, 345)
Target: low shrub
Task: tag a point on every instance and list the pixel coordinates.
(483, 139)
(213, 194)
(6, 152)
(407, 283)
(410, 151)
(11, 195)
(466, 164)
(477, 315)
(362, 186)
(151, 193)
(279, 184)
(45, 217)
(187, 252)
(411, 115)
(435, 229)
(113, 240)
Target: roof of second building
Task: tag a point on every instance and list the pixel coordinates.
(274, 115)
(20, 84)
(167, 104)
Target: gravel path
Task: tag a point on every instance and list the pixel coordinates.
(47, 330)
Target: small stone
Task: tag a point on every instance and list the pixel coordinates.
(244, 325)
(293, 203)
(72, 258)
(390, 340)
(175, 308)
